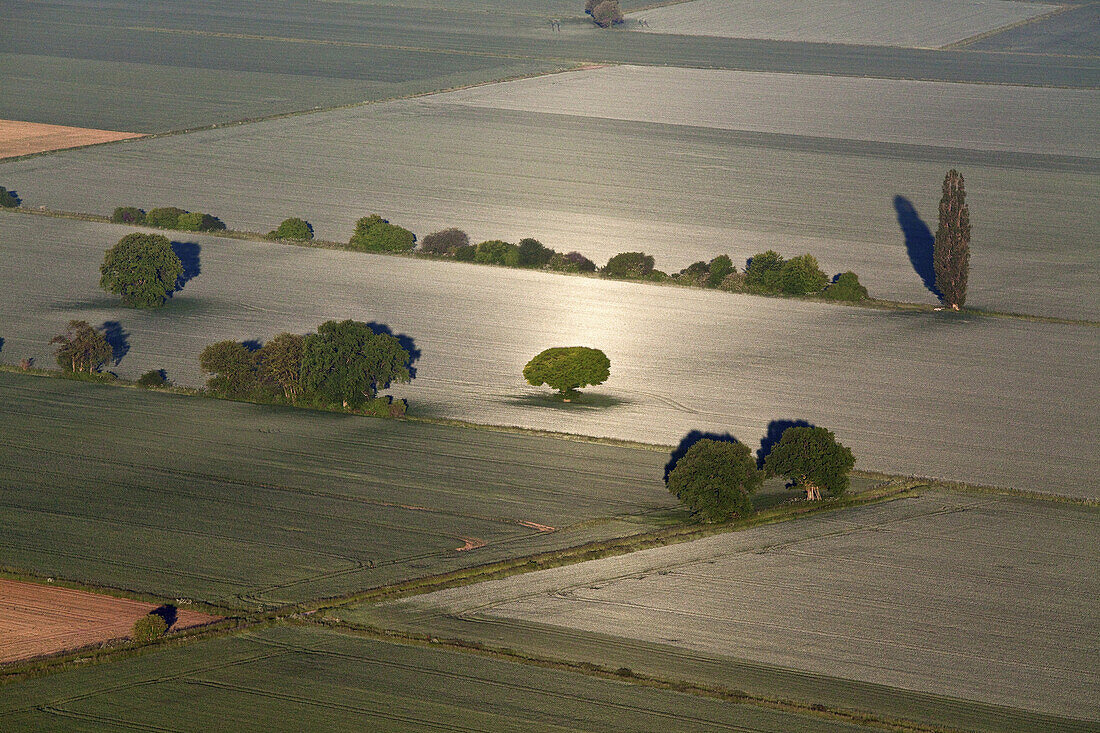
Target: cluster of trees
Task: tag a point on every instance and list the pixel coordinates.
(567, 369)
(527, 253)
(605, 13)
(82, 348)
(142, 268)
(716, 478)
(343, 364)
(8, 199)
(168, 217)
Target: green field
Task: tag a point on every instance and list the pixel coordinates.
(243, 506)
(292, 678)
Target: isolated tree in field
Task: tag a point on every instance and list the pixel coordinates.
(232, 366)
(606, 13)
(375, 234)
(568, 368)
(142, 268)
(813, 459)
(280, 364)
(951, 250)
(294, 229)
(346, 363)
(82, 348)
(715, 479)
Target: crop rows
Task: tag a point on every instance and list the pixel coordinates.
(975, 597)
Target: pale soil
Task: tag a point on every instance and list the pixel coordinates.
(24, 138)
(36, 619)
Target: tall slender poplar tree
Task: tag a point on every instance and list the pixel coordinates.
(951, 252)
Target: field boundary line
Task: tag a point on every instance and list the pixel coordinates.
(960, 44)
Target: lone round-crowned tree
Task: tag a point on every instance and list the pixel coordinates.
(715, 479)
(142, 268)
(951, 251)
(568, 368)
(813, 459)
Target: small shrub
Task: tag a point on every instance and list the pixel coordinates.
(497, 252)
(152, 378)
(845, 286)
(444, 243)
(166, 217)
(466, 253)
(199, 222)
(628, 266)
(375, 234)
(571, 262)
(9, 199)
(295, 229)
(802, 276)
(148, 628)
(533, 253)
(128, 215)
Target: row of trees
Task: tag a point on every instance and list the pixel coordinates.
(168, 217)
(343, 364)
(716, 478)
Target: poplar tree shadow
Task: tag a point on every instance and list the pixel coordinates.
(188, 252)
(118, 338)
(691, 439)
(406, 342)
(918, 242)
(773, 434)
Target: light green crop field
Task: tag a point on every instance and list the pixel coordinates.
(293, 678)
(244, 506)
(974, 598)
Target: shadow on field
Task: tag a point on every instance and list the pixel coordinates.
(166, 612)
(406, 342)
(918, 242)
(1, 343)
(580, 401)
(773, 434)
(118, 338)
(691, 439)
(188, 252)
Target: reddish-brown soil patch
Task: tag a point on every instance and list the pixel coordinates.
(24, 138)
(36, 620)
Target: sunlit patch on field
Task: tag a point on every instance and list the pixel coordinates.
(24, 138)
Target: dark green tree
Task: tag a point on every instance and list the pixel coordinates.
(194, 221)
(166, 217)
(280, 365)
(763, 272)
(152, 378)
(82, 348)
(142, 268)
(497, 252)
(148, 628)
(951, 250)
(813, 459)
(346, 363)
(533, 253)
(720, 268)
(715, 479)
(802, 276)
(233, 369)
(568, 368)
(628, 266)
(697, 273)
(8, 199)
(293, 229)
(128, 215)
(375, 234)
(845, 287)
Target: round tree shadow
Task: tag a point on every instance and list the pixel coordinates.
(577, 401)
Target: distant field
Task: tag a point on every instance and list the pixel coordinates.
(915, 23)
(1075, 32)
(975, 597)
(924, 393)
(293, 678)
(22, 138)
(968, 116)
(242, 505)
(605, 186)
(40, 619)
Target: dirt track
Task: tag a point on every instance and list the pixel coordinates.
(24, 138)
(36, 619)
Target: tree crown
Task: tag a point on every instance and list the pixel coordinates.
(715, 478)
(568, 368)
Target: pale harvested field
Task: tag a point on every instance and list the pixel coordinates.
(988, 400)
(23, 138)
(605, 186)
(976, 597)
(911, 23)
(40, 619)
(971, 116)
